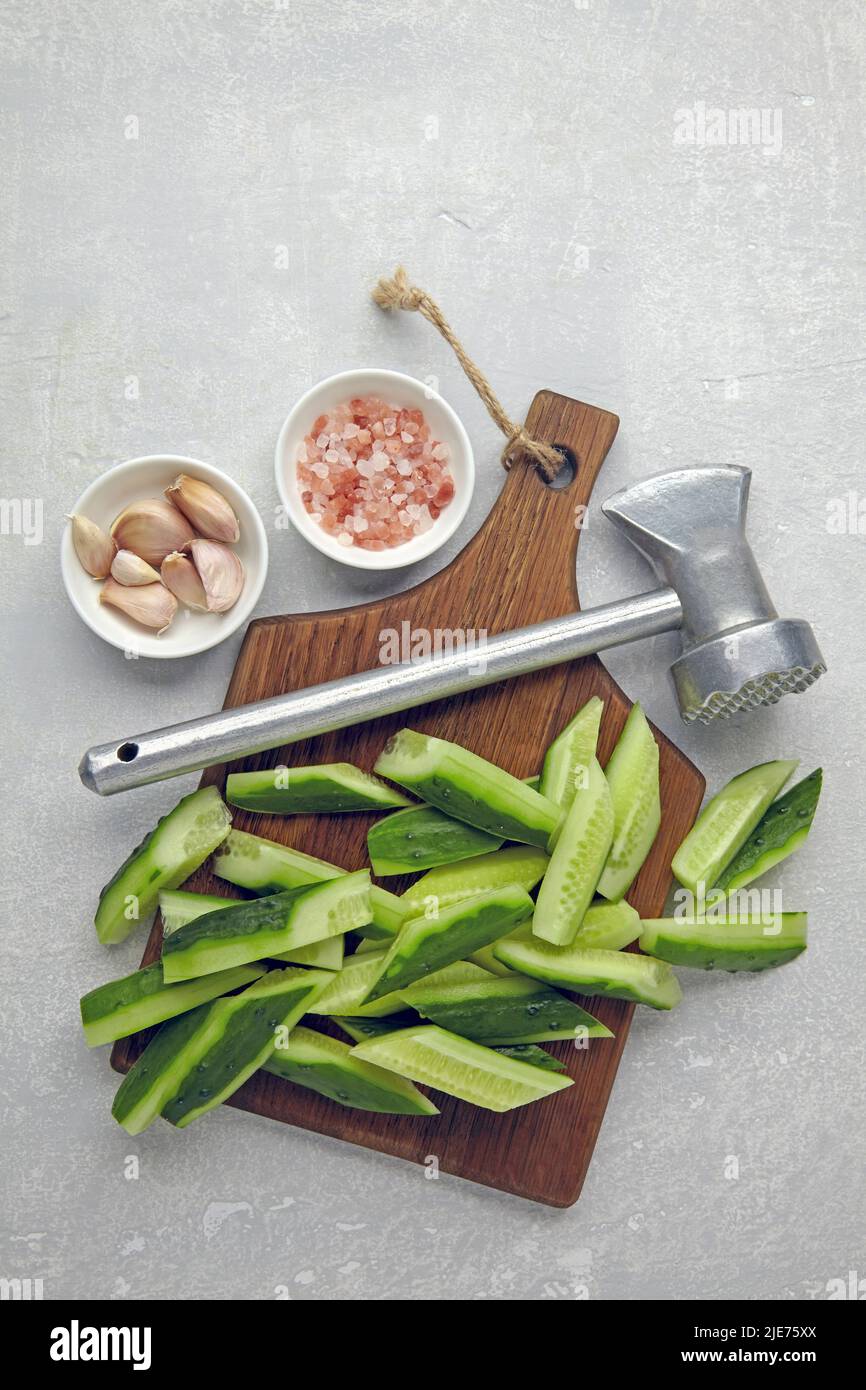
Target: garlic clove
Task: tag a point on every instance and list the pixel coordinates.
(180, 575)
(149, 604)
(220, 571)
(93, 547)
(207, 511)
(152, 529)
(129, 569)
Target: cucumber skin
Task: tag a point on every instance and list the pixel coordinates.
(143, 999)
(243, 932)
(691, 944)
(534, 1056)
(511, 810)
(423, 837)
(557, 775)
(111, 924)
(325, 955)
(332, 1071)
(781, 830)
(310, 790)
(360, 1029)
(504, 1012)
(555, 920)
(424, 945)
(562, 967)
(765, 792)
(150, 1082)
(636, 815)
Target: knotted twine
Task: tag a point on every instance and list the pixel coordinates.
(398, 293)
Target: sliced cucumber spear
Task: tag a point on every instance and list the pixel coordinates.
(289, 791)
(267, 926)
(632, 774)
(468, 787)
(522, 865)
(613, 974)
(262, 866)
(349, 988)
(502, 1011)
(535, 1056)
(721, 943)
(434, 1057)
(199, 1059)
(360, 1029)
(330, 1067)
(425, 944)
(567, 759)
(726, 822)
(143, 999)
(577, 861)
(174, 849)
(608, 927)
(778, 833)
(422, 837)
(178, 908)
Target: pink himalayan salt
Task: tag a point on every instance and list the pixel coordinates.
(371, 474)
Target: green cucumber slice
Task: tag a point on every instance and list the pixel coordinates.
(426, 944)
(267, 926)
(263, 866)
(727, 943)
(422, 837)
(330, 1067)
(778, 833)
(207, 1053)
(330, 787)
(143, 999)
(468, 787)
(567, 759)
(608, 926)
(726, 822)
(577, 861)
(350, 986)
(178, 908)
(359, 1029)
(612, 974)
(434, 1057)
(498, 1012)
(523, 865)
(174, 849)
(632, 774)
(535, 1056)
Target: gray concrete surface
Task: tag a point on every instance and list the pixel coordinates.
(197, 198)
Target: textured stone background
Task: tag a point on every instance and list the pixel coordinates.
(520, 157)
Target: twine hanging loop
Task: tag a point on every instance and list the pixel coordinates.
(398, 293)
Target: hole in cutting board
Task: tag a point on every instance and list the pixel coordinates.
(567, 473)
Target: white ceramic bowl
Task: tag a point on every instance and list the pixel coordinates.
(399, 390)
(189, 632)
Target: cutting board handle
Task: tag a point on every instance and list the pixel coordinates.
(532, 513)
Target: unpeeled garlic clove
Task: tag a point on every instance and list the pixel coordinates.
(220, 571)
(205, 509)
(149, 604)
(129, 569)
(152, 529)
(180, 575)
(93, 547)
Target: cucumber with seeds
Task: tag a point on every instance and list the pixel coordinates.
(178, 908)
(267, 926)
(472, 789)
(434, 1057)
(780, 831)
(330, 1067)
(498, 1012)
(722, 943)
(421, 838)
(349, 988)
(426, 944)
(198, 1060)
(577, 861)
(608, 926)
(611, 974)
(263, 866)
(174, 849)
(567, 759)
(329, 787)
(535, 1056)
(141, 1000)
(632, 774)
(523, 865)
(726, 822)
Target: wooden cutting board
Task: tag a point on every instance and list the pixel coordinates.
(518, 569)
